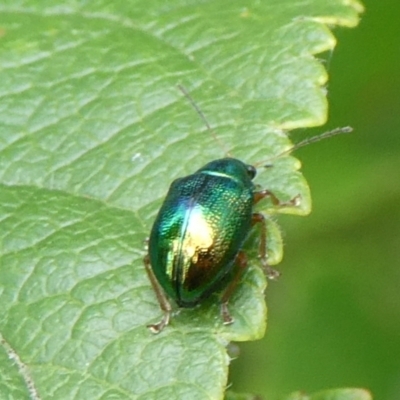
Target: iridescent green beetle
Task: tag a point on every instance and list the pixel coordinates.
(197, 237)
(195, 245)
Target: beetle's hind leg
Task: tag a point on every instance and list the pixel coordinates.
(259, 218)
(161, 297)
(262, 251)
(240, 265)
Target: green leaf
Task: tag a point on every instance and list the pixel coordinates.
(333, 394)
(92, 131)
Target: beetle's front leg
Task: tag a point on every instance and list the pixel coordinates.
(161, 297)
(262, 194)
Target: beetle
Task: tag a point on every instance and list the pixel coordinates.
(195, 245)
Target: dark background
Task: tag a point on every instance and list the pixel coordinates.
(334, 316)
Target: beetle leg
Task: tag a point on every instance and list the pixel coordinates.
(275, 201)
(241, 264)
(162, 299)
(262, 252)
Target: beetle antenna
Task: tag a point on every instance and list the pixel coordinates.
(307, 141)
(322, 136)
(203, 117)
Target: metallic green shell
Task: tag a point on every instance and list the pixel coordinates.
(200, 228)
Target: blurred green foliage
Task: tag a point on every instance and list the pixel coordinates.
(334, 316)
